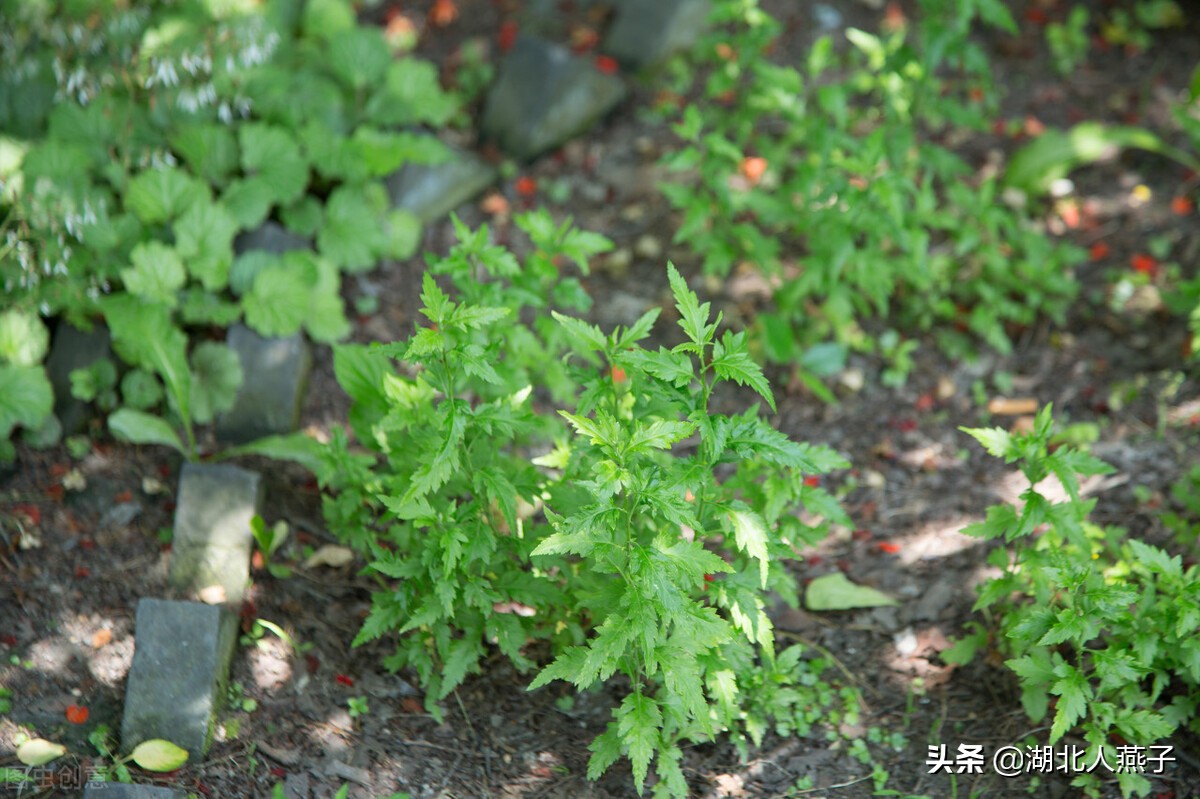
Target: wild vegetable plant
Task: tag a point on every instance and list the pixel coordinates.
(632, 536)
(837, 181)
(1102, 629)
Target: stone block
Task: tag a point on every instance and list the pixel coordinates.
(645, 34)
(179, 673)
(276, 376)
(116, 790)
(213, 542)
(432, 191)
(73, 349)
(545, 96)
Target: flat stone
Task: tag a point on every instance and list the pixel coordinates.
(432, 191)
(545, 96)
(116, 790)
(272, 237)
(73, 349)
(212, 542)
(271, 396)
(645, 34)
(179, 673)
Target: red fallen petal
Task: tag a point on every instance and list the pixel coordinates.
(312, 663)
(1143, 263)
(507, 36)
(1182, 206)
(82, 572)
(164, 470)
(276, 771)
(342, 679)
(813, 560)
(58, 469)
(924, 402)
(77, 714)
(1099, 251)
(124, 496)
(812, 481)
(606, 64)
(888, 547)
(526, 186)
(861, 534)
(87, 543)
(32, 512)
(8, 640)
(906, 425)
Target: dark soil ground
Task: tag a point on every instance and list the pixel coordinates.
(70, 584)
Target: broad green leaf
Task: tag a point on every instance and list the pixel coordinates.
(137, 427)
(24, 339)
(157, 274)
(278, 301)
(1074, 692)
(326, 18)
(141, 390)
(402, 230)
(359, 56)
(835, 592)
(39, 752)
(352, 234)
(411, 93)
(750, 533)
(26, 398)
(158, 755)
(200, 307)
(161, 195)
(248, 201)
(1055, 153)
(209, 150)
(272, 154)
(204, 241)
(216, 378)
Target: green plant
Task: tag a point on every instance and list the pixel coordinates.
(269, 540)
(357, 706)
(1099, 627)
(1068, 41)
(147, 145)
(832, 180)
(637, 551)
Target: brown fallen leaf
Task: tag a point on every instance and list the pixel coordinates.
(102, 638)
(330, 555)
(1020, 406)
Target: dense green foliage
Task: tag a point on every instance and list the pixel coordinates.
(638, 537)
(144, 139)
(1102, 629)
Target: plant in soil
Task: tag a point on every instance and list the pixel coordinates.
(634, 535)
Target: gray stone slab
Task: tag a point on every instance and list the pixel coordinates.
(73, 349)
(213, 542)
(116, 790)
(544, 96)
(645, 34)
(271, 396)
(432, 191)
(179, 673)
(272, 237)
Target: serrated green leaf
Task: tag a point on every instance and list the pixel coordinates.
(248, 201)
(582, 332)
(137, 427)
(352, 234)
(605, 749)
(277, 303)
(24, 339)
(731, 361)
(750, 533)
(204, 241)
(997, 441)
(673, 367)
(216, 378)
(157, 274)
(1073, 692)
(462, 657)
(210, 151)
(26, 398)
(161, 195)
(638, 723)
(693, 317)
(200, 307)
(567, 666)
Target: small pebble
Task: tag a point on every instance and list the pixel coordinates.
(647, 246)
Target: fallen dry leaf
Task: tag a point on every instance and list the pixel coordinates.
(330, 555)
(212, 594)
(1019, 406)
(102, 638)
